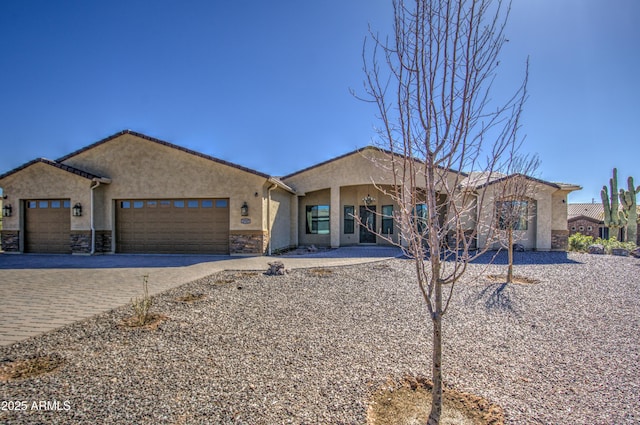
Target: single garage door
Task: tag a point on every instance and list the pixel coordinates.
(172, 226)
(47, 226)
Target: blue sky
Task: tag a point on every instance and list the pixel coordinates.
(266, 84)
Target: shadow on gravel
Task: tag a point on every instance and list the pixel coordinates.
(524, 258)
(497, 297)
(62, 261)
(346, 252)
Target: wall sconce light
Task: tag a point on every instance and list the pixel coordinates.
(6, 210)
(77, 210)
(368, 200)
(244, 209)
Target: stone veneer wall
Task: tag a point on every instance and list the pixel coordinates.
(10, 240)
(559, 240)
(103, 241)
(80, 241)
(247, 242)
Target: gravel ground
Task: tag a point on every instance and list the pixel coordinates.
(310, 347)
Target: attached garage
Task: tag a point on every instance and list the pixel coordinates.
(189, 226)
(47, 226)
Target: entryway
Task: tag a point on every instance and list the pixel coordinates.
(368, 226)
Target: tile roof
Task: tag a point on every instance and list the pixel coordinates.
(590, 210)
(55, 164)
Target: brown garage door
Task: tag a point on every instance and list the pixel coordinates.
(47, 226)
(172, 226)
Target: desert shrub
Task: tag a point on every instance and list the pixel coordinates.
(579, 242)
(141, 306)
(613, 242)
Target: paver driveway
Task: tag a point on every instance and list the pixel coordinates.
(39, 293)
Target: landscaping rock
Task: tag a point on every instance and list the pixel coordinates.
(596, 249)
(518, 247)
(635, 253)
(620, 252)
(276, 268)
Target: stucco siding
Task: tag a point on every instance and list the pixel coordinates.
(142, 169)
(280, 213)
(358, 168)
(559, 210)
(42, 181)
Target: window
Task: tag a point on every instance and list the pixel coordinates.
(420, 216)
(221, 203)
(32, 204)
(318, 219)
(573, 228)
(66, 204)
(55, 204)
(349, 225)
(178, 204)
(138, 204)
(43, 204)
(192, 203)
(581, 228)
(207, 203)
(589, 228)
(165, 204)
(387, 219)
(152, 204)
(125, 204)
(514, 213)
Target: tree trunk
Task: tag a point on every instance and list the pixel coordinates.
(510, 250)
(436, 392)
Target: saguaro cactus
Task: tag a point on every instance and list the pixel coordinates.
(614, 219)
(630, 209)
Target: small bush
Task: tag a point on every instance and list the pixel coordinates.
(579, 242)
(142, 306)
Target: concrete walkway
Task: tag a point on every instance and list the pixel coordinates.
(39, 293)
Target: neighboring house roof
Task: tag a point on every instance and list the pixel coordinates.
(584, 217)
(594, 211)
(56, 164)
(163, 143)
(591, 210)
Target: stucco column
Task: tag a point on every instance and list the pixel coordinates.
(335, 216)
(543, 228)
(293, 228)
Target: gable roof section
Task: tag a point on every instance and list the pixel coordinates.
(57, 165)
(584, 217)
(163, 143)
(594, 211)
(563, 186)
(357, 151)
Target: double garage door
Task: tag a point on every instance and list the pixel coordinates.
(172, 226)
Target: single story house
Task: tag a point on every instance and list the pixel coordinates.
(588, 219)
(131, 193)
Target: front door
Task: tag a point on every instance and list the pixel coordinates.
(368, 226)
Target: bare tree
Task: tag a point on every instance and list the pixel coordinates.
(431, 82)
(513, 196)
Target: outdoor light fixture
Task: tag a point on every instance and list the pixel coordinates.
(77, 210)
(6, 210)
(244, 209)
(368, 200)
